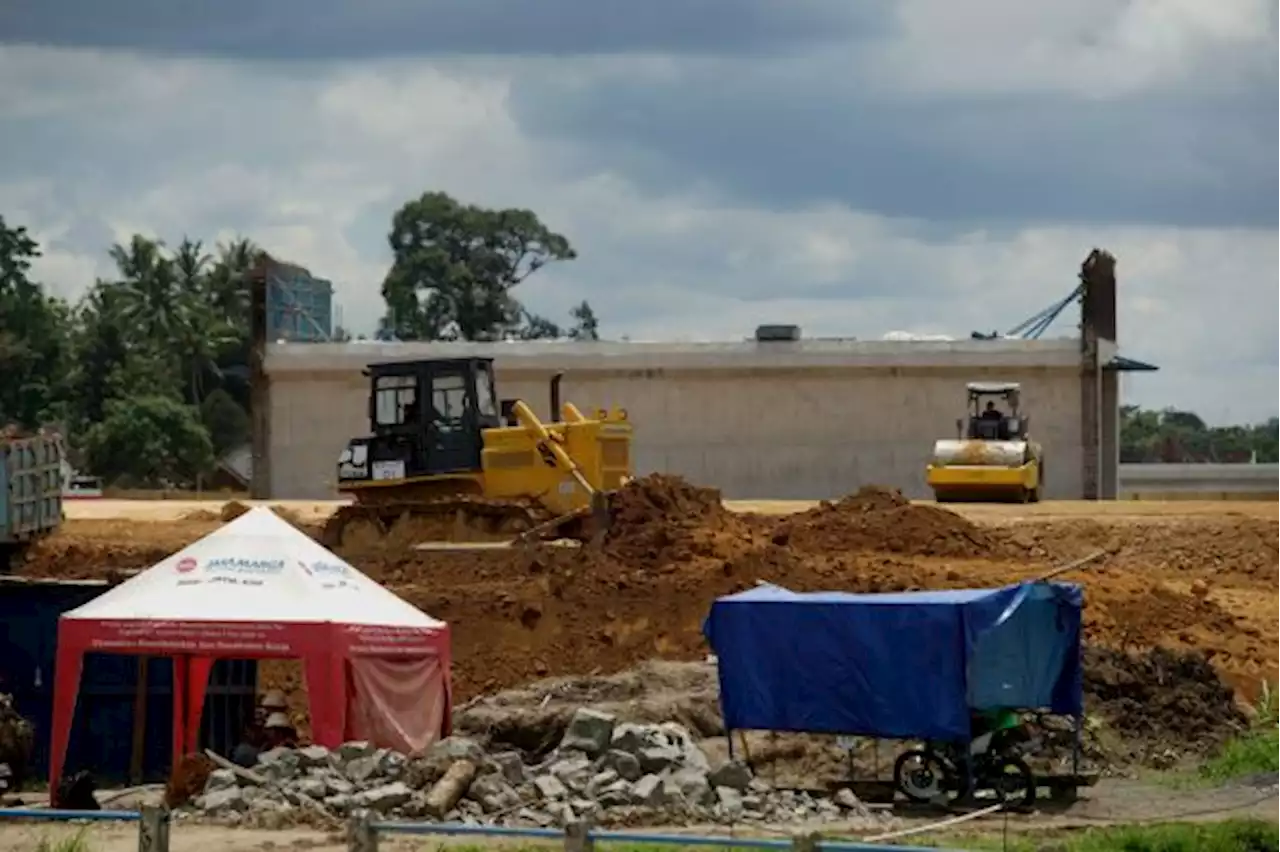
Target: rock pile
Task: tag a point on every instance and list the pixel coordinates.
(602, 772)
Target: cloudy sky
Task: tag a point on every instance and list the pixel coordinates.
(856, 168)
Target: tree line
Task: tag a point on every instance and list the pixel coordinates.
(1174, 436)
(147, 373)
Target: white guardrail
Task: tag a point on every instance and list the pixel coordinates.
(1199, 481)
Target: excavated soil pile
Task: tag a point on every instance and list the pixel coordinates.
(660, 520)
(1164, 705)
(187, 780)
(1201, 582)
(883, 520)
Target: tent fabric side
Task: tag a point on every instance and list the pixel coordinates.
(1029, 654)
(193, 648)
(897, 665)
(324, 649)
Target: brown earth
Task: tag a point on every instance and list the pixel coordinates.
(1181, 578)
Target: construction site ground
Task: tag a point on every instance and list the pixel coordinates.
(540, 630)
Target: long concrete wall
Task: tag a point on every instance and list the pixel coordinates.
(806, 420)
(1199, 481)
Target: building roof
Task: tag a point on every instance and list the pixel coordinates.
(611, 356)
(1121, 364)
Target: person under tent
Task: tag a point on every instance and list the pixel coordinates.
(256, 736)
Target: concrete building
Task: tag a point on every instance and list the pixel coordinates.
(796, 419)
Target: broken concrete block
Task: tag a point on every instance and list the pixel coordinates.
(549, 787)
(383, 798)
(734, 774)
(648, 791)
(589, 731)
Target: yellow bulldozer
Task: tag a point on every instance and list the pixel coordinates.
(993, 458)
(450, 461)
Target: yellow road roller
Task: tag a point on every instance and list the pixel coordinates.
(992, 459)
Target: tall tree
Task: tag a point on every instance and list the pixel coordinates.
(456, 265)
(585, 325)
(33, 342)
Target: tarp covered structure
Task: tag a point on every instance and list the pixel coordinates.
(903, 665)
(376, 668)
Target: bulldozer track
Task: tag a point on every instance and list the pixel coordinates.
(449, 518)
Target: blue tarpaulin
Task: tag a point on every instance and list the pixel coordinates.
(903, 665)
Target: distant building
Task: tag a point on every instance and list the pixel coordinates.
(299, 305)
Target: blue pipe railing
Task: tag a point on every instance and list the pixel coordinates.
(53, 815)
(634, 837)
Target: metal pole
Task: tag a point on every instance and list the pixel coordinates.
(361, 835)
(577, 837)
(153, 829)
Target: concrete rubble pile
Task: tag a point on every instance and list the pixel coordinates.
(602, 772)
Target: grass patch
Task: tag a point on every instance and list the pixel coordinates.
(77, 842)
(1255, 752)
(1249, 835)
(1229, 836)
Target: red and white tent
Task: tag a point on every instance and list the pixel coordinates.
(376, 668)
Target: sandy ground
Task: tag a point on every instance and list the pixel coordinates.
(313, 510)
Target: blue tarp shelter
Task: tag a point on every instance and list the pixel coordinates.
(903, 665)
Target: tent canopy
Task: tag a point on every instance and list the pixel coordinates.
(903, 665)
(260, 588)
(257, 568)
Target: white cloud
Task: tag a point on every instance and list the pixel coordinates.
(1087, 48)
(311, 162)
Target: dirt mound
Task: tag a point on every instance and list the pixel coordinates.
(187, 779)
(231, 510)
(200, 515)
(661, 520)
(883, 520)
(1164, 705)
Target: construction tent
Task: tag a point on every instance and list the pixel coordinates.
(903, 665)
(376, 668)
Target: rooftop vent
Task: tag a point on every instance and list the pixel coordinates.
(777, 333)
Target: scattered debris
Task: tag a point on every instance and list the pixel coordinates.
(603, 770)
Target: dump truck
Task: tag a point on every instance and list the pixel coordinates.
(993, 458)
(443, 447)
(30, 491)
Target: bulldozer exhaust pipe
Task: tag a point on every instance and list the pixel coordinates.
(554, 414)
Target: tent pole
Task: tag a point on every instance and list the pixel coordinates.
(139, 722)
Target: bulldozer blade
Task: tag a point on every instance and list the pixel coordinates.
(601, 518)
(445, 546)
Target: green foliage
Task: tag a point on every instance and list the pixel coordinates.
(1181, 436)
(1254, 752)
(148, 441)
(33, 345)
(226, 422)
(456, 265)
(136, 371)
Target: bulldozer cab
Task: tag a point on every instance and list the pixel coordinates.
(993, 413)
(425, 418)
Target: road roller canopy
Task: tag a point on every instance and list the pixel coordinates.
(902, 665)
(993, 388)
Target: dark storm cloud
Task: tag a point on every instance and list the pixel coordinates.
(332, 29)
(994, 159)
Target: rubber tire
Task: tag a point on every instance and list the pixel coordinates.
(935, 764)
(1019, 766)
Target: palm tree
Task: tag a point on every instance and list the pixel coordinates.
(225, 283)
(153, 298)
